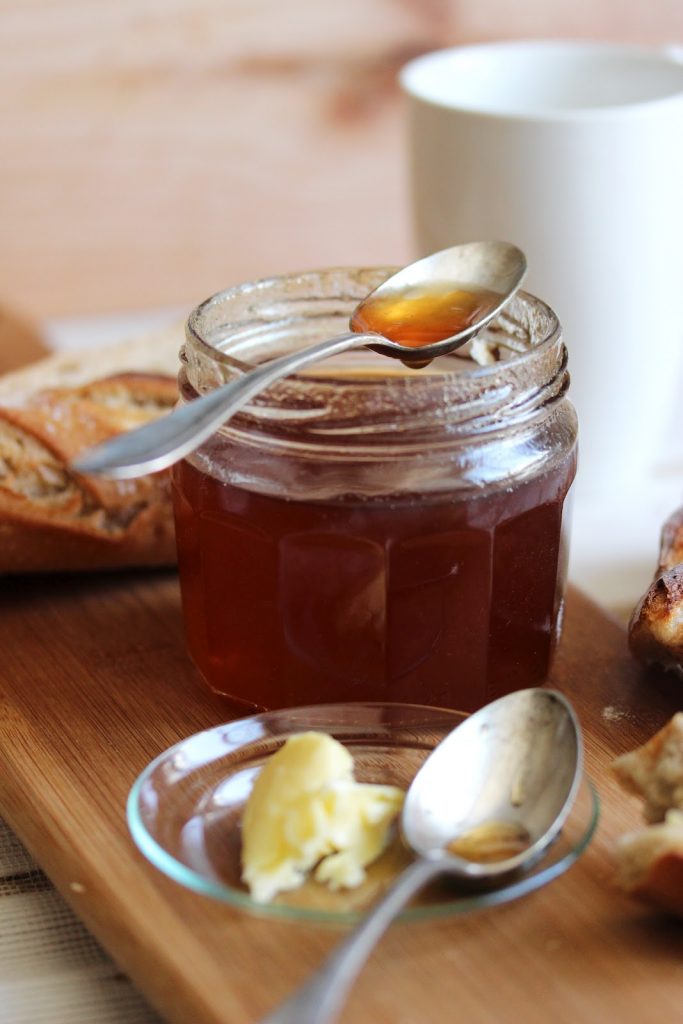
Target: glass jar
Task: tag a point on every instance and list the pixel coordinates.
(365, 531)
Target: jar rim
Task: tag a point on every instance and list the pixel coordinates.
(311, 434)
(259, 286)
(452, 402)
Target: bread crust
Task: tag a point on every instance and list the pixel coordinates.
(54, 519)
(655, 632)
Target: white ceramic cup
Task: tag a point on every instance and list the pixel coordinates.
(573, 151)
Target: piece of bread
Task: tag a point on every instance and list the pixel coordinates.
(654, 771)
(54, 519)
(655, 631)
(650, 861)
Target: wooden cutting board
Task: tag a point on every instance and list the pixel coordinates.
(94, 682)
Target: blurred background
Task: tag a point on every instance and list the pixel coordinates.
(155, 151)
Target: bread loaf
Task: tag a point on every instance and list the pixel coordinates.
(656, 628)
(54, 519)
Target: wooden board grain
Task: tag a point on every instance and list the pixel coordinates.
(95, 681)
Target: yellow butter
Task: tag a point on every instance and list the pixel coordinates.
(306, 811)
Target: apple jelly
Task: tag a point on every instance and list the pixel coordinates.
(366, 531)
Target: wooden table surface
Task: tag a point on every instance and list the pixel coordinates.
(95, 681)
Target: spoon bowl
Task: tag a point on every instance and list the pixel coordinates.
(517, 762)
(491, 271)
(468, 285)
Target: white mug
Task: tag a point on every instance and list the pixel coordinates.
(574, 152)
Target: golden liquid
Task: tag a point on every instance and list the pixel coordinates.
(491, 841)
(423, 315)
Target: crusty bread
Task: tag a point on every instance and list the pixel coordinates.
(54, 519)
(655, 631)
(654, 771)
(656, 627)
(650, 861)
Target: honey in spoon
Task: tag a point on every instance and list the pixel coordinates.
(423, 314)
(491, 841)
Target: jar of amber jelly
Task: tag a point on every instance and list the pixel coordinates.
(369, 532)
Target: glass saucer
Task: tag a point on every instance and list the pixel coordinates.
(185, 809)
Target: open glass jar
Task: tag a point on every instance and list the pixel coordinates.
(364, 531)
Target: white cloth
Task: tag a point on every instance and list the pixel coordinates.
(52, 971)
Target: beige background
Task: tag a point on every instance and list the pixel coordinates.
(154, 151)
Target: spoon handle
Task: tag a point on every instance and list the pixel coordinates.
(159, 444)
(319, 1000)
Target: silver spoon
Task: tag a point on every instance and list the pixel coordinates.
(518, 762)
(496, 267)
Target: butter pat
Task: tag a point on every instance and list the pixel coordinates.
(307, 811)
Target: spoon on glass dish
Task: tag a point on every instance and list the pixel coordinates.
(483, 808)
(424, 311)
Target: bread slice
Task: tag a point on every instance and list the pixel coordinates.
(54, 519)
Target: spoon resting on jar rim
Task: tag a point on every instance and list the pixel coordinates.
(424, 311)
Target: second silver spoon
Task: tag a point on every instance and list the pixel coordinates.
(516, 762)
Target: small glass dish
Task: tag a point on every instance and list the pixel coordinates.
(185, 809)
